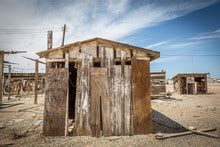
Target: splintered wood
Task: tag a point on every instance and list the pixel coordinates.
(55, 102)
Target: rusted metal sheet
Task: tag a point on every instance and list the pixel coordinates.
(55, 102)
(142, 117)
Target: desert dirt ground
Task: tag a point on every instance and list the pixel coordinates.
(169, 116)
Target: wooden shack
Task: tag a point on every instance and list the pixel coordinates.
(158, 84)
(190, 83)
(102, 85)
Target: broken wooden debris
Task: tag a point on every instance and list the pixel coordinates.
(2, 106)
(11, 122)
(7, 144)
(19, 135)
(30, 107)
(165, 136)
(114, 138)
(192, 129)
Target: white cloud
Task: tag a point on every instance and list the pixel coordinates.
(186, 43)
(166, 59)
(207, 35)
(85, 19)
(158, 44)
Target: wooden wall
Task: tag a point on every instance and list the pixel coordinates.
(55, 120)
(158, 84)
(114, 97)
(95, 50)
(142, 113)
(199, 86)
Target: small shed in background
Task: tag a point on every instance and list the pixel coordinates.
(101, 85)
(158, 84)
(190, 83)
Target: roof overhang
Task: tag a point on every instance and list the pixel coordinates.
(150, 53)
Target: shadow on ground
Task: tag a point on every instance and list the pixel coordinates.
(164, 124)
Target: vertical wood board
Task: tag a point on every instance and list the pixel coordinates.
(83, 125)
(55, 102)
(100, 93)
(142, 117)
(127, 100)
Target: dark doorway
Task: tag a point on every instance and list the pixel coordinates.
(190, 88)
(72, 89)
(183, 85)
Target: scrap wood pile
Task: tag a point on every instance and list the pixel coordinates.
(19, 87)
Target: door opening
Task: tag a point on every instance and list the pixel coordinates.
(72, 91)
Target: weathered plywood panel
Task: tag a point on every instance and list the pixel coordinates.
(118, 52)
(139, 53)
(56, 54)
(142, 117)
(55, 102)
(73, 52)
(90, 49)
(100, 91)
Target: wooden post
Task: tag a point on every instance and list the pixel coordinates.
(49, 40)
(36, 76)
(67, 97)
(9, 81)
(64, 31)
(36, 82)
(1, 74)
(49, 47)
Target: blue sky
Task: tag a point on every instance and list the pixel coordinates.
(183, 40)
(184, 32)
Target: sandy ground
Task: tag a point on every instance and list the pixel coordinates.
(169, 116)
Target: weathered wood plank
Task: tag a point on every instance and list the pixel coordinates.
(123, 57)
(78, 97)
(142, 113)
(83, 127)
(110, 66)
(127, 99)
(95, 105)
(55, 102)
(117, 99)
(100, 89)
